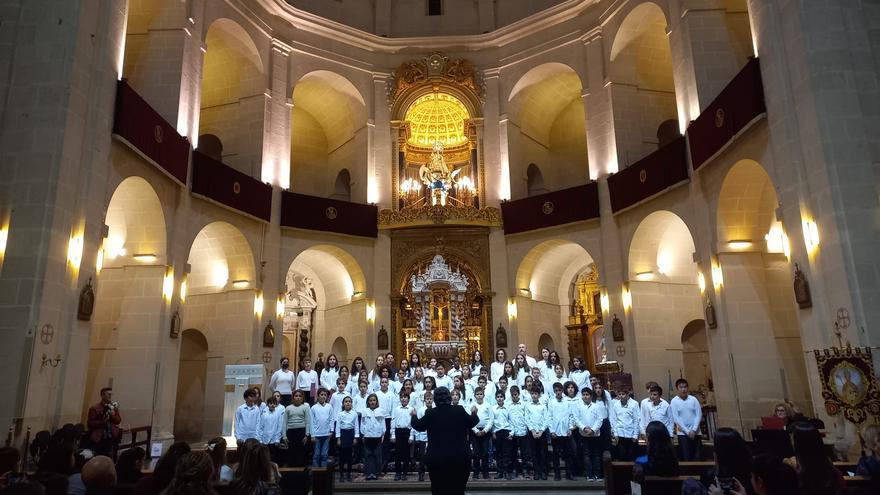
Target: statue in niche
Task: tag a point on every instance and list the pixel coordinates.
(711, 318)
(616, 329)
(500, 336)
(382, 339)
(269, 335)
(801, 289)
(86, 302)
(175, 324)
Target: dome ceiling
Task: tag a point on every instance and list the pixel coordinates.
(437, 117)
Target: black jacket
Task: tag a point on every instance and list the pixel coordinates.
(448, 427)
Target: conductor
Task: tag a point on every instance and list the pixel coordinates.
(448, 458)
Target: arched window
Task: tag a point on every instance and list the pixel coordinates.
(342, 186)
(534, 180)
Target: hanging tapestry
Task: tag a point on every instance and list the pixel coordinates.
(848, 382)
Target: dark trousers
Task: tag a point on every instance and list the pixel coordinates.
(626, 449)
(689, 450)
(577, 453)
(386, 446)
(521, 453)
(538, 449)
(480, 447)
(503, 448)
(296, 451)
(401, 448)
(561, 451)
(592, 447)
(372, 456)
(448, 478)
(419, 448)
(346, 448)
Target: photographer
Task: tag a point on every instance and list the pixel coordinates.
(103, 424)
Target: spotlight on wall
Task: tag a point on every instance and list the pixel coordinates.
(701, 281)
(258, 303)
(145, 257)
(115, 247)
(4, 235)
(511, 309)
(645, 275)
(168, 284)
(371, 311)
(604, 302)
(219, 275)
(75, 251)
(717, 275)
(99, 261)
(525, 292)
(777, 241)
(664, 263)
(627, 299)
(241, 283)
(811, 235)
(183, 290)
(739, 244)
(279, 306)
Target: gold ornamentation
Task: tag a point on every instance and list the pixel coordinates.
(158, 134)
(719, 117)
(547, 207)
(643, 176)
(449, 214)
(331, 213)
(849, 384)
(236, 187)
(414, 73)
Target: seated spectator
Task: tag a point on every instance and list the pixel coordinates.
(99, 476)
(24, 487)
(9, 465)
(816, 473)
(192, 476)
(75, 484)
(58, 458)
(249, 445)
(732, 460)
(53, 483)
(129, 466)
(660, 459)
(216, 448)
(869, 463)
(164, 471)
(255, 474)
(771, 476)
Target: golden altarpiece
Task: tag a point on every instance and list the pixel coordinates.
(438, 221)
(586, 330)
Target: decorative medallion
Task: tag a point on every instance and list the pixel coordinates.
(719, 117)
(267, 357)
(842, 319)
(236, 187)
(643, 176)
(848, 382)
(47, 333)
(621, 351)
(547, 207)
(86, 302)
(158, 133)
(175, 325)
(331, 213)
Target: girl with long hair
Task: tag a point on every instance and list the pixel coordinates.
(496, 369)
(330, 372)
(404, 365)
(579, 373)
(255, 474)
(521, 370)
(373, 429)
(660, 459)
(415, 361)
(192, 476)
(357, 364)
(816, 473)
(476, 363)
(216, 449)
(732, 459)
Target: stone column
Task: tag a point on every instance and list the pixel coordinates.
(380, 158)
(276, 129)
(494, 146)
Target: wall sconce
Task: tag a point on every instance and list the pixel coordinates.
(371, 311)
(717, 275)
(525, 292)
(511, 308)
(183, 290)
(811, 235)
(258, 303)
(4, 235)
(50, 362)
(664, 263)
(115, 247)
(627, 299)
(701, 281)
(99, 260)
(145, 257)
(645, 276)
(777, 241)
(279, 307)
(168, 284)
(241, 283)
(74, 251)
(739, 244)
(604, 302)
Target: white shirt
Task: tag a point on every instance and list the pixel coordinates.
(271, 425)
(484, 414)
(625, 419)
(536, 416)
(373, 423)
(453, 372)
(529, 361)
(517, 413)
(686, 414)
(387, 401)
(660, 412)
(500, 418)
(496, 370)
(559, 417)
(475, 369)
(321, 419)
(347, 420)
(359, 402)
(282, 382)
(590, 416)
(305, 380)
(581, 378)
(400, 418)
(444, 381)
(416, 435)
(328, 378)
(247, 422)
(336, 401)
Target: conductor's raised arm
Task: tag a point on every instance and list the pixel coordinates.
(417, 423)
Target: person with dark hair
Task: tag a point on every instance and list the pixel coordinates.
(282, 381)
(816, 473)
(307, 381)
(655, 408)
(559, 425)
(329, 374)
(99, 475)
(75, 484)
(247, 418)
(347, 434)
(129, 465)
(297, 420)
(25, 487)
(732, 461)
(660, 459)
(476, 363)
(216, 449)
(163, 472)
(192, 476)
(771, 476)
(373, 428)
(588, 418)
(255, 474)
(480, 433)
(58, 458)
(687, 414)
(103, 422)
(447, 455)
(10, 458)
(624, 414)
(321, 417)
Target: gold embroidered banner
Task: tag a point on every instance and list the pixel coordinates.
(848, 382)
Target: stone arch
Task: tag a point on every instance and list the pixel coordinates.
(641, 73)
(695, 355)
(534, 180)
(547, 125)
(340, 348)
(328, 122)
(136, 225)
(189, 406)
(342, 186)
(662, 249)
(545, 340)
(746, 217)
(232, 101)
(546, 272)
(220, 259)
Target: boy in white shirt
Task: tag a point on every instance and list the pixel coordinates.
(519, 432)
(307, 381)
(321, 421)
(401, 436)
(442, 379)
(655, 408)
(272, 426)
(421, 437)
(686, 414)
(501, 436)
(536, 422)
(338, 396)
(559, 412)
(588, 420)
(480, 434)
(625, 417)
(387, 402)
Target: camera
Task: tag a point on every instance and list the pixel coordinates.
(727, 485)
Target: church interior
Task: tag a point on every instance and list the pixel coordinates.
(663, 189)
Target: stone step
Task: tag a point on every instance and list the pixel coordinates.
(386, 483)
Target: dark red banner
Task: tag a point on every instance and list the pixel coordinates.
(328, 215)
(554, 208)
(225, 185)
(652, 174)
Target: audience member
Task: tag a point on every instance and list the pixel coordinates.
(255, 475)
(75, 485)
(869, 463)
(192, 475)
(660, 459)
(9, 465)
(771, 476)
(25, 487)
(58, 458)
(732, 461)
(99, 475)
(129, 465)
(216, 448)
(163, 473)
(816, 473)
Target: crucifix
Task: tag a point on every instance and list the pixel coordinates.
(838, 334)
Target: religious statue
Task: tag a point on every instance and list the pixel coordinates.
(437, 176)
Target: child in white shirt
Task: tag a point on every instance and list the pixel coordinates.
(401, 435)
(480, 434)
(347, 432)
(321, 420)
(307, 381)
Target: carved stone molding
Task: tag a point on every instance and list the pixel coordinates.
(439, 215)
